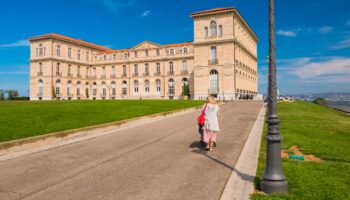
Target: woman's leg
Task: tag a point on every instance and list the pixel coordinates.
(206, 137)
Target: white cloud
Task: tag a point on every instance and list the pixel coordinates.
(342, 44)
(19, 43)
(331, 70)
(146, 13)
(287, 33)
(325, 29)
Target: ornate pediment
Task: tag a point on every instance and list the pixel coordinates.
(146, 45)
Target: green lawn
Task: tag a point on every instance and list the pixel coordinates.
(320, 131)
(25, 119)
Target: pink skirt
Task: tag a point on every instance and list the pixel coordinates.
(209, 135)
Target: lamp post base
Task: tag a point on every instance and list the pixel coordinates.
(269, 186)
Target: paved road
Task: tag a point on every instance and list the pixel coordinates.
(160, 160)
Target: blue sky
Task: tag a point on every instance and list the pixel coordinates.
(313, 36)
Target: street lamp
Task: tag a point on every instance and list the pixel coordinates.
(273, 179)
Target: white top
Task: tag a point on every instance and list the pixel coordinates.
(211, 117)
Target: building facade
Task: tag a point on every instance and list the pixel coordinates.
(221, 61)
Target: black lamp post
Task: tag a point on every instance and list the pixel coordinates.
(273, 179)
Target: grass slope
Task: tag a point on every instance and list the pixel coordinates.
(25, 119)
(320, 131)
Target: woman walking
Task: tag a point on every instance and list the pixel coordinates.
(211, 124)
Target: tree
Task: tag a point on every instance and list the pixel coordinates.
(87, 92)
(185, 90)
(12, 94)
(2, 95)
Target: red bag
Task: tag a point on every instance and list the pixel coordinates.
(201, 118)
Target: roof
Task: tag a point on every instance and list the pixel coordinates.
(69, 39)
(213, 10)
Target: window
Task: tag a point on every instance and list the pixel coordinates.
(69, 69)
(69, 88)
(104, 89)
(78, 72)
(113, 70)
(114, 88)
(213, 28)
(94, 89)
(146, 53)
(41, 50)
(158, 68)
(57, 68)
(87, 56)
(124, 88)
(58, 87)
(146, 87)
(171, 68)
(136, 87)
(220, 30)
(158, 87)
(104, 57)
(135, 54)
(213, 55)
(158, 52)
(124, 69)
(184, 81)
(184, 66)
(94, 71)
(213, 82)
(185, 50)
(114, 56)
(78, 54)
(171, 51)
(171, 87)
(69, 52)
(78, 88)
(40, 68)
(146, 69)
(136, 70)
(40, 88)
(206, 31)
(126, 55)
(103, 71)
(58, 50)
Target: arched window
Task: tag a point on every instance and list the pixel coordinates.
(158, 87)
(124, 88)
(171, 87)
(114, 88)
(184, 81)
(94, 89)
(136, 87)
(147, 87)
(104, 89)
(40, 88)
(213, 28)
(69, 88)
(58, 87)
(78, 88)
(213, 81)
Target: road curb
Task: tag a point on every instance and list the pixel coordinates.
(241, 182)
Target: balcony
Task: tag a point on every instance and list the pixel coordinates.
(157, 73)
(79, 76)
(171, 73)
(184, 72)
(40, 73)
(213, 91)
(112, 75)
(124, 75)
(213, 61)
(135, 74)
(70, 75)
(103, 76)
(58, 74)
(146, 74)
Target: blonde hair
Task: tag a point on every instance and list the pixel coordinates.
(211, 100)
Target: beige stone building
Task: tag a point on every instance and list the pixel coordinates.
(221, 61)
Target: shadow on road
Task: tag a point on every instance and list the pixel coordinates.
(243, 176)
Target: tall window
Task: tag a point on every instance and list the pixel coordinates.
(114, 56)
(41, 50)
(78, 54)
(124, 69)
(78, 71)
(185, 50)
(40, 67)
(78, 88)
(206, 31)
(94, 71)
(171, 51)
(69, 69)
(124, 88)
(69, 88)
(58, 50)
(184, 66)
(114, 88)
(146, 87)
(57, 68)
(213, 81)
(171, 87)
(58, 87)
(220, 30)
(158, 87)
(146, 53)
(104, 89)
(40, 87)
(158, 52)
(136, 70)
(69, 52)
(171, 68)
(113, 70)
(213, 28)
(135, 54)
(158, 68)
(136, 87)
(94, 89)
(213, 55)
(146, 69)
